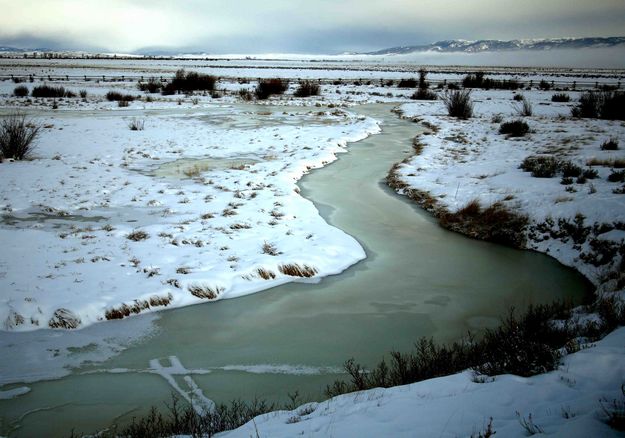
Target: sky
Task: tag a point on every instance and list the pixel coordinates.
(294, 26)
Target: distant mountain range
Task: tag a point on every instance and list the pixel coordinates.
(499, 45)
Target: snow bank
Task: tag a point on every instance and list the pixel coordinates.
(100, 225)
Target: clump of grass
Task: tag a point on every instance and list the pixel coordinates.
(136, 125)
(525, 109)
(137, 235)
(306, 89)
(83, 94)
(515, 128)
(116, 96)
(295, 270)
(268, 87)
(64, 318)
(50, 91)
(265, 274)
(204, 291)
(20, 91)
(458, 103)
(126, 310)
(610, 145)
(560, 97)
(17, 137)
(540, 166)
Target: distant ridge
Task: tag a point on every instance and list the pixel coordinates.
(499, 45)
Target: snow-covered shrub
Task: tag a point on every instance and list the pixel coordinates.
(458, 103)
(17, 136)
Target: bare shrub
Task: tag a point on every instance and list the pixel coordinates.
(610, 145)
(560, 97)
(295, 270)
(152, 85)
(189, 81)
(49, 91)
(609, 105)
(17, 137)
(515, 128)
(407, 83)
(116, 96)
(458, 103)
(269, 87)
(20, 91)
(306, 89)
(615, 411)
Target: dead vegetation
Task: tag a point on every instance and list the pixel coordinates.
(137, 235)
(64, 318)
(204, 291)
(296, 270)
(137, 307)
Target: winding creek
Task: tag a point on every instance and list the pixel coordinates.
(418, 280)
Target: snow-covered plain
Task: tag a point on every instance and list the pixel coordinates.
(470, 160)
(215, 228)
(213, 187)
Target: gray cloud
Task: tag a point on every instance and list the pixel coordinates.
(321, 26)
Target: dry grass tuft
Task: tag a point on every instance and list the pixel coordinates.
(64, 318)
(137, 235)
(270, 249)
(295, 270)
(617, 163)
(204, 291)
(137, 307)
(265, 274)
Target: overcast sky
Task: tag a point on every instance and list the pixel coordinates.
(295, 26)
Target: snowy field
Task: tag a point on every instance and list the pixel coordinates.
(464, 161)
(202, 204)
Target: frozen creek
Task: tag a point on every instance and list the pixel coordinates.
(418, 280)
